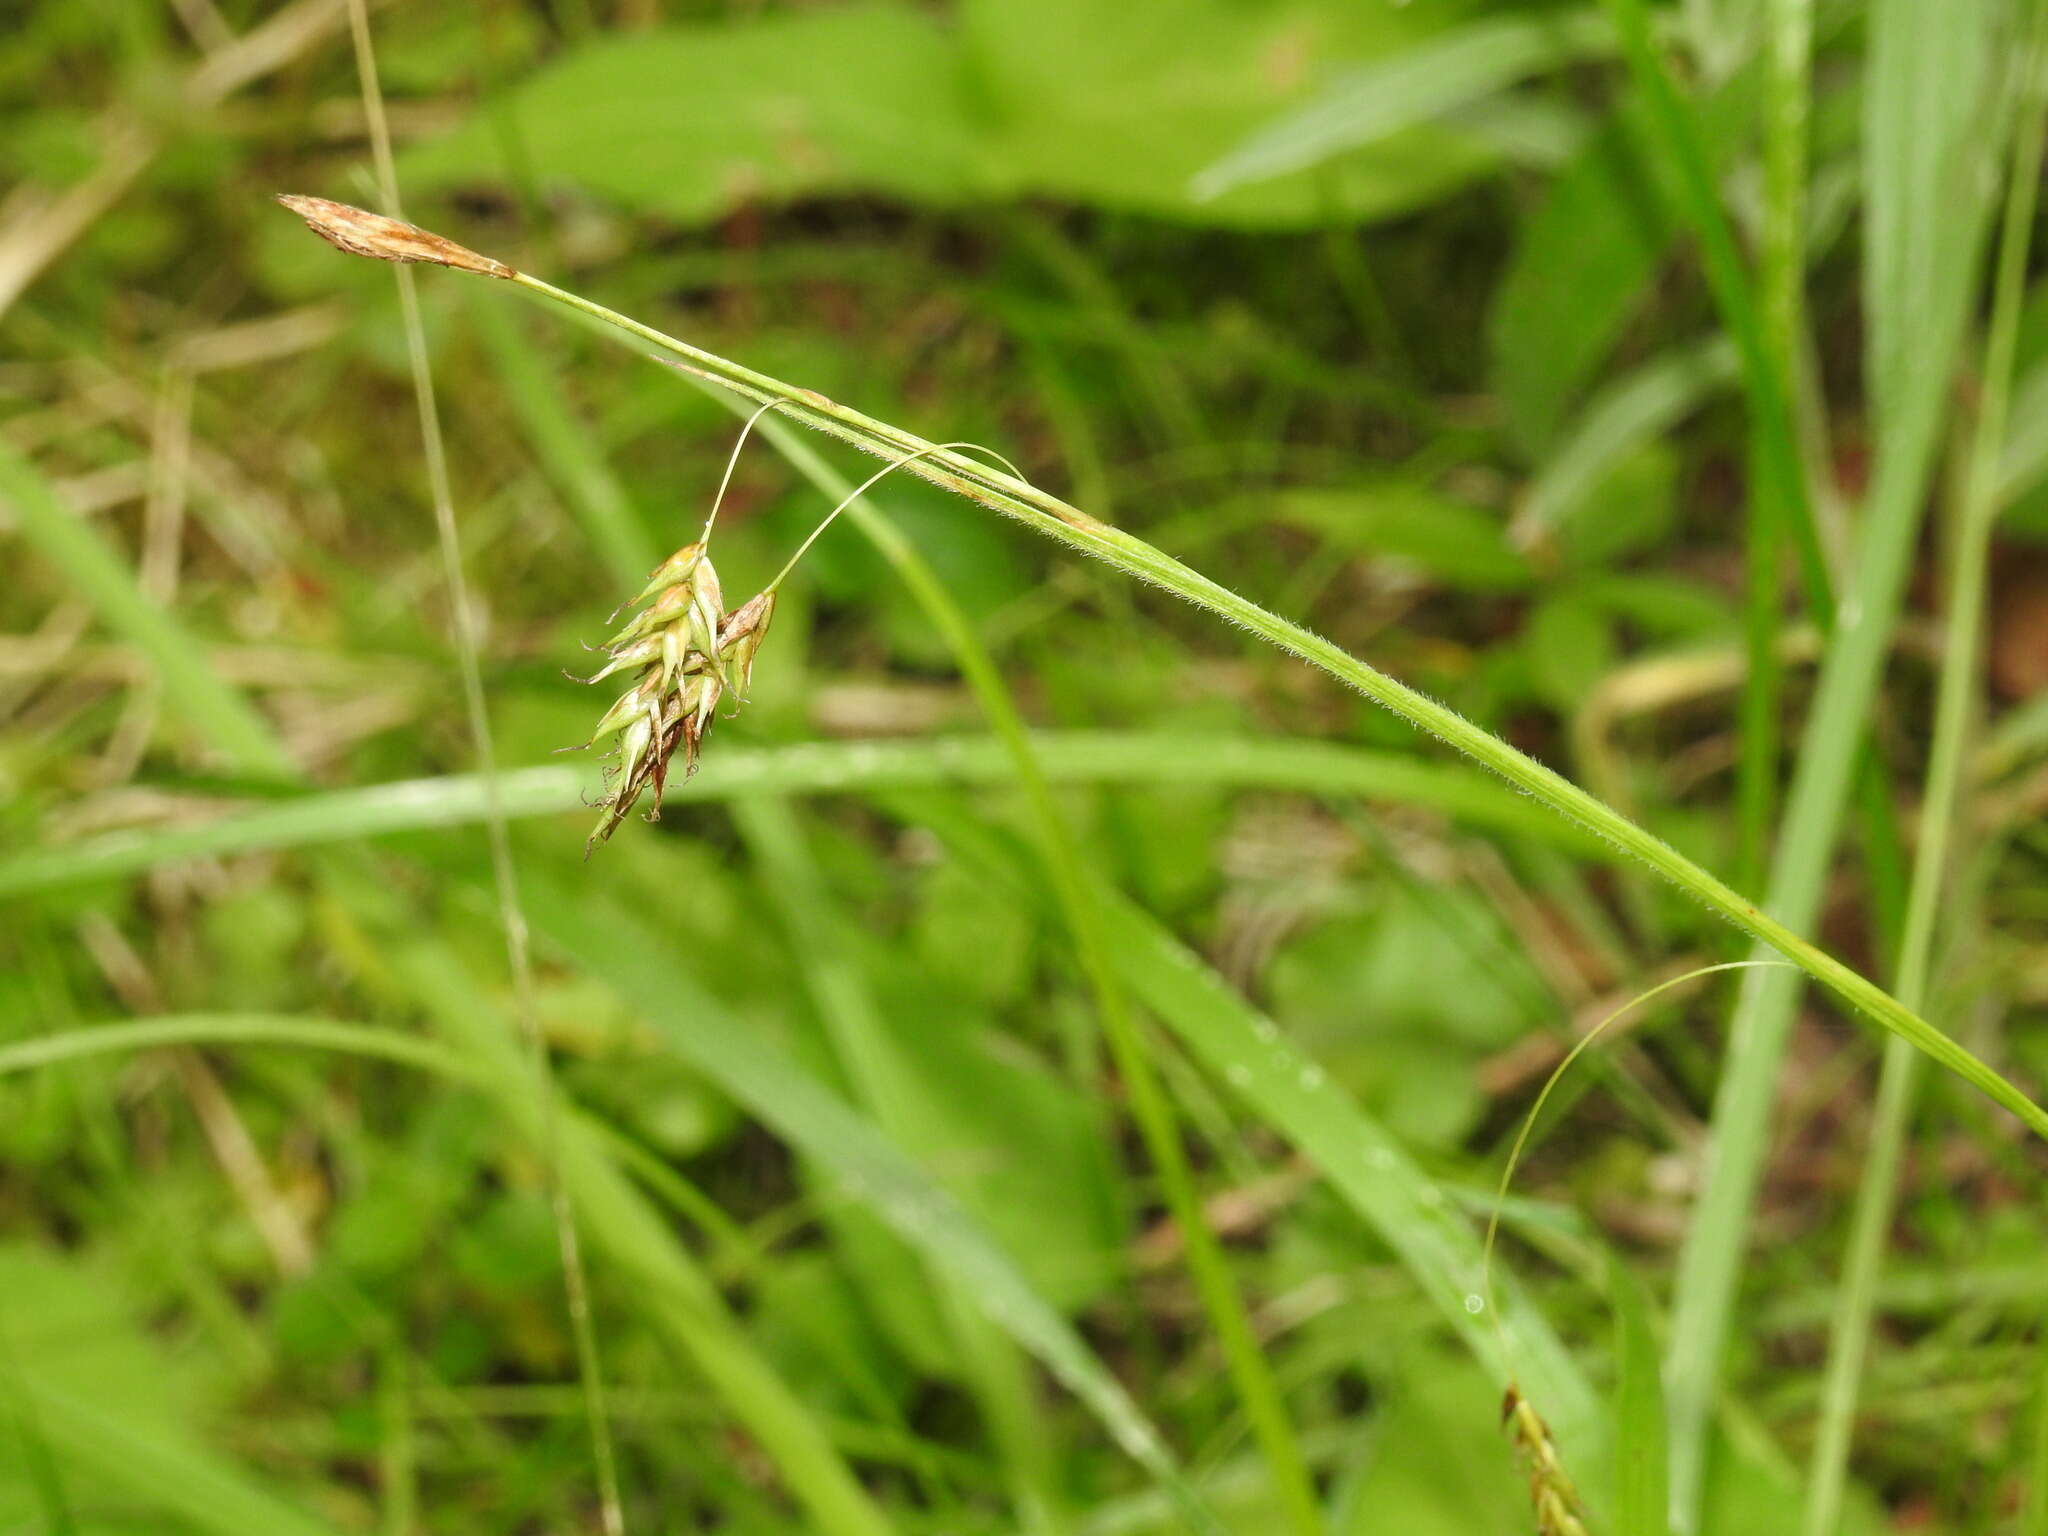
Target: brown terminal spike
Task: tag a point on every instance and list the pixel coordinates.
(362, 233)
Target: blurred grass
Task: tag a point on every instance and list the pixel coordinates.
(1451, 387)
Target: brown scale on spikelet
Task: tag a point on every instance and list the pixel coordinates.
(690, 653)
(1551, 1491)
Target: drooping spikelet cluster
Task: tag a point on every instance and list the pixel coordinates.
(1551, 1490)
(690, 653)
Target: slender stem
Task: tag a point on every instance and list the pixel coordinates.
(1877, 1193)
(853, 495)
(1834, 757)
(1763, 682)
(1780, 283)
(732, 463)
(1071, 526)
(1557, 1075)
(1074, 892)
(1931, 230)
(1788, 81)
(511, 911)
(1781, 480)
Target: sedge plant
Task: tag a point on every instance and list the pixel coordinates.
(366, 234)
(688, 653)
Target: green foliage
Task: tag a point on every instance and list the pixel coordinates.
(1642, 1495)
(1443, 328)
(1015, 99)
(1583, 260)
(111, 1418)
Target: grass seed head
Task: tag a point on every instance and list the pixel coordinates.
(690, 654)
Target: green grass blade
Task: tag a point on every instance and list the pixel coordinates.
(1782, 287)
(1636, 409)
(1941, 802)
(235, 1029)
(1926, 235)
(1676, 140)
(216, 716)
(1363, 1161)
(200, 1490)
(1642, 1496)
(612, 944)
(35, 1458)
(680, 1300)
(642, 1249)
(1463, 66)
(2024, 462)
(1110, 757)
(888, 1090)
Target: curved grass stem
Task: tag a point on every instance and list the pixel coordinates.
(1071, 526)
(1056, 519)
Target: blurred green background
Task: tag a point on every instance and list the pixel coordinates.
(1377, 312)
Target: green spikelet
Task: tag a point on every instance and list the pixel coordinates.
(1551, 1490)
(690, 653)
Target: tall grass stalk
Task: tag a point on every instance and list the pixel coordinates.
(1781, 281)
(511, 913)
(1779, 491)
(1962, 652)
(1926, 220)
(1763, 316)
(1777, 486)
(235, 1029)
(1297, 765)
